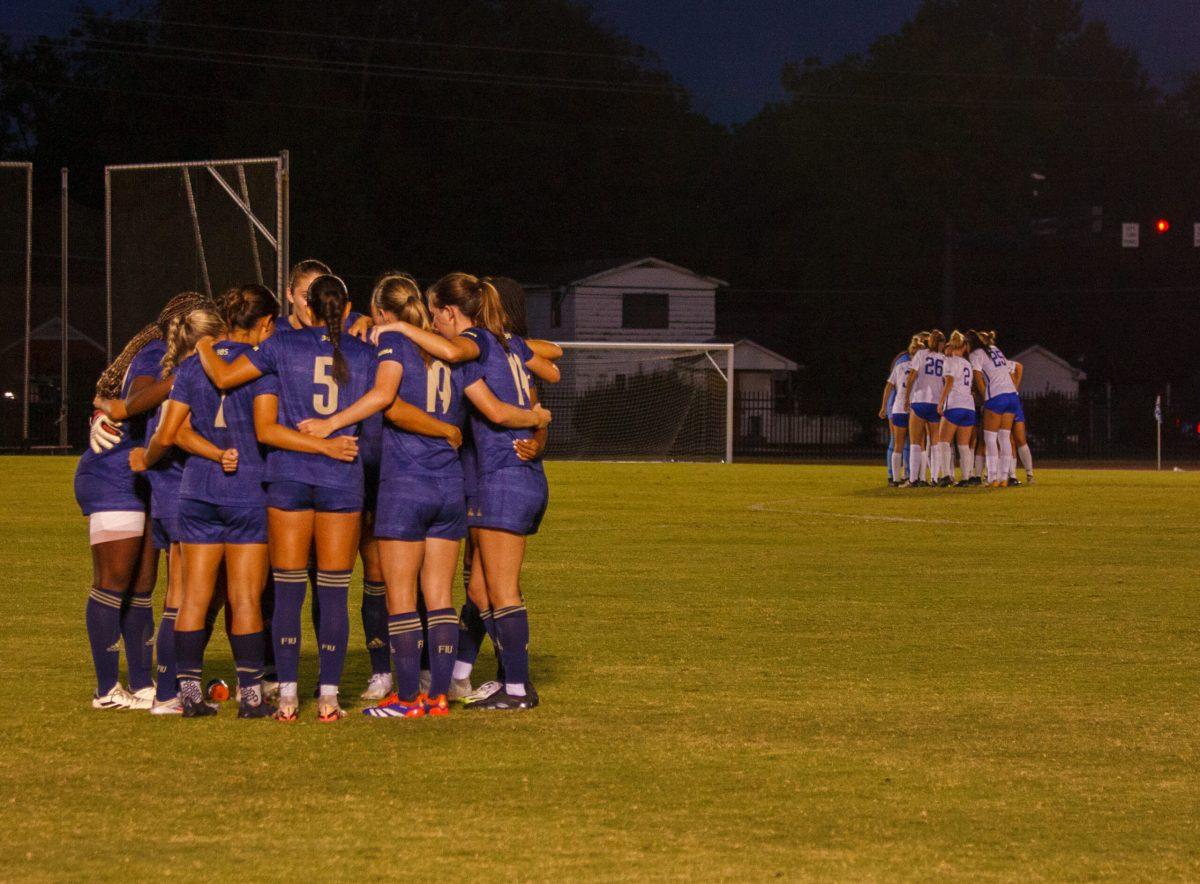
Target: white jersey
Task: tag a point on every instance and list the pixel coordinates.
(960, 392)
(897, 378)
(990, 362)
(1013, 368)
(927, 385)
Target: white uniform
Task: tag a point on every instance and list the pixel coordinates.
(897, 378)
(927, 385)
(994, 368)
(1013, 367)
(960, 393)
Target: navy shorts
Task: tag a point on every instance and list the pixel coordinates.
(927, 411)
(415, 507)
(511, 499)
(960, 417)
(1005, 403)
(1019, 417)
(165, 531)
(203, 522)
(96, 494)
(300, 496)
(899, 419)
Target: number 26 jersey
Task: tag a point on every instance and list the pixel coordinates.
(302, 362)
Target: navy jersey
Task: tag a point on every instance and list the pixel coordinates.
(302, 361)
(436, 389)
(227, 421)
(166, 475)
(113, 465)
(505, 374)
(286, 324)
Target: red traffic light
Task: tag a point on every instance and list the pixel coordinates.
(1162, 225)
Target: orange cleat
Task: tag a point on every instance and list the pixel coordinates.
(437, 706)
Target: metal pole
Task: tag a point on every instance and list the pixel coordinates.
(64, 382)
(108, 264)
(250, 219)
(283, 220)
(729, 428)
(28, 298)
(191, 201)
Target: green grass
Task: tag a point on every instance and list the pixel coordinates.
(747, 672)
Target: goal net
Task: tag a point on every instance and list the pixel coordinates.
(197, 226)
(642, 402)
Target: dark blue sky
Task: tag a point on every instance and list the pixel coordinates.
(728, 53)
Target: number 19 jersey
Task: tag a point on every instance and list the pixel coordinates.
(436, 389)
(506, 376)
(302, 362)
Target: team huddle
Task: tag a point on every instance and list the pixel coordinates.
(957, 393)
(263, 454)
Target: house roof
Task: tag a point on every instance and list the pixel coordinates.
(1037, 349)
(51, 330)
(744, 344)
(594, 270)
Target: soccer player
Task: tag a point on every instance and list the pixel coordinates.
(1000, 402)
(1020, 440)
(116, 502)
(894, 409)
(956, 405)
(922, 386)
(314, 486)
(511, 492)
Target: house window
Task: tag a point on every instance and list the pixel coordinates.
(556, 306)
(645, 310)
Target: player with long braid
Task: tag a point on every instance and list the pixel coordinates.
(116, 502)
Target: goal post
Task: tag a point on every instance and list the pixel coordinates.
(642, 401)
(16, 282)
(202, 225)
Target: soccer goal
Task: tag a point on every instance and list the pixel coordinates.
(197, 226)
(16, 287)
(658, 402)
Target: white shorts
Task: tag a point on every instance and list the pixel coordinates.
(106, 527)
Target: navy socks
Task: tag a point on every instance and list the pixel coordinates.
(374, 620)
(333, 590)
(442, 645)
(512, 629)
(137, 631)
(166, 688)
(104, 635)
(290, 587)
(405, 639)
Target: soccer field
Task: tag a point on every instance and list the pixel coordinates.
(746, 672)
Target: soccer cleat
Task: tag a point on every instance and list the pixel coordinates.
(1014, 482)
(270, 689)
(920, 483)
(329, 710)
(255, 710)
(379, 685)
(288, 711)
(116, 698)
(393, 707)
(963, 483)
(143, 698)
(945, 482)
(976, 480)
(460, 689)
(482, 692)
(197, 708)
(905, 484)
(172, 706)
(424, 680)
(501, 699)
(437, 706)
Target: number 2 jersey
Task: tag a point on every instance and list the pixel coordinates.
(990, 362)
(506, 376)
(302, 363)
(227, 421)
(960, 396)
(436, 389)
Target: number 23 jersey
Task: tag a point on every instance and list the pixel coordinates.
(302, 362)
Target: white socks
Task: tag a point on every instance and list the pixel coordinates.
(993, 455)
(964, 461)
(1026, 459)
(916, 458)
(1005, 452)
(897, 470)
(945, 460)
(461, 670)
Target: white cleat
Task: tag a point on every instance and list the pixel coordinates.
(378, 686)
(172, 706)
(460, 689)
(424, 680)
(484, 691)
(117, 698)
(143, 698)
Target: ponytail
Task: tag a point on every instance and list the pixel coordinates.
(184, 331)
(109, 384)
(327, 299)
(244, 305)
(400, 295)
(476, 298)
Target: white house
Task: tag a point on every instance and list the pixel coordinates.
(644, 301)
(1046, 372)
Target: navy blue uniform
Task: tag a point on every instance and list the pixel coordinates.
(511, 494)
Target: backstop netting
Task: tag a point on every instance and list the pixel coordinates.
(16, 256)
(197, 226)
(642, 402)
